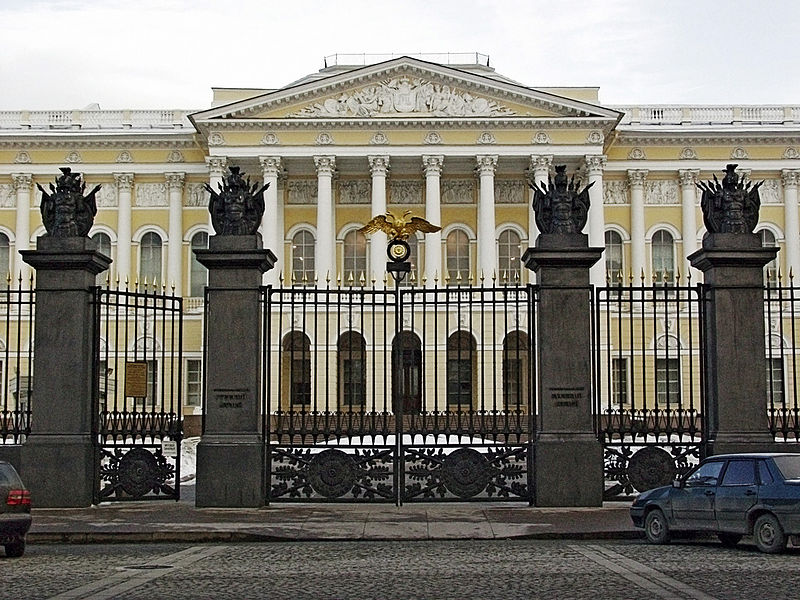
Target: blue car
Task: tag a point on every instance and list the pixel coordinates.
(732, 495)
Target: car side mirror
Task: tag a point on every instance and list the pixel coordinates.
(677, 483)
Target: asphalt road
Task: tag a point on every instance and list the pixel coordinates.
(426, 569)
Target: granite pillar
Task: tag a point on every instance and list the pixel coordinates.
(230, 455)
(568, 468)
(59, 458)
(735, 359)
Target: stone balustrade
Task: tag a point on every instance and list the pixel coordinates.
(707, 115)
(95, 119)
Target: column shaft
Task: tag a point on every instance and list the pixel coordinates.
(688, 178)
(216, 169)
(594, 167)
(791, 178)
(175, 243)
(636, 179)
(432, 164)
(325, 251)
(124, 187)
(379, 166)
(270, 230)
(22, 185)
(487, 240)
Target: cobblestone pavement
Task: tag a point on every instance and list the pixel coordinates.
(485, 569)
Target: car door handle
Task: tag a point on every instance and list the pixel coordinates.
(709, 492)
(750, 493)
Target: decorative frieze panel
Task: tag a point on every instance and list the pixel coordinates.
(270, 139)
(151, 194)
(403, 95)
(8, 197)
(22, 157)
(405, 191)
(73, 157)
(509, 191)
(195, 195)
(302, 192)
(379, 138)
(458, 191)
(355, 191)
(661, 192)
(770, 192)
(615, 192)
(791, 152)
(108, 196)
(688, 154)
(124, 157)
(175, 156)
(739, 153)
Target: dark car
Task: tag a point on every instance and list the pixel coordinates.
(15, 511)
(732, 495)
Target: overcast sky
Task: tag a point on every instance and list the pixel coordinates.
(67, 54)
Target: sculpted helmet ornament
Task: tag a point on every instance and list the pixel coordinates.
(559, 206)
(66, 212)
(238, 206)
(731, 206)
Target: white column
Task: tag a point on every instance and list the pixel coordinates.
(636, 179)
(540, 166)
(688, 179)
(487, 239)
(175, 241)
(432, 164)
(22, 186)
(791, 178)
(216, 169)
(594, 168)
(378, 166)
(270, 222)
(124, 183)
(325, 250)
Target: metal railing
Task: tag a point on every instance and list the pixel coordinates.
(17, 314)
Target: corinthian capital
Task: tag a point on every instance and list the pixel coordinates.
(174, 181)
(636, 177)
(124, 181)
(541, 162)
(688, 177)
(378, 165)
(790, 177)
(22, 181)
(325, 164)
(432, 164)
(270, 165)
(595, 163)
(487, 164)
(216, 165)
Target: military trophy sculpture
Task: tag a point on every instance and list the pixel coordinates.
(731, 206)
(559, 206)
(398, 229)
(238, 206)
(66, 212)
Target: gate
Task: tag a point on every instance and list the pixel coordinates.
(399, 395)
(137, 392)
(649, 395)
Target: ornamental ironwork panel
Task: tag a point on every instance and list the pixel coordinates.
(17, 313)
(138, 393)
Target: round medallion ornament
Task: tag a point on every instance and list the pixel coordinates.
(332, 473)
(138, 472)
(650, 468)
(465, 472)
(398, 250)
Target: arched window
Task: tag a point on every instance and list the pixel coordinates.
(407, 355)
(296, 370)
(461, 370)
(508, 255)
(352, 355)
(303, 258)
(771, 269)
(663, 251)
(5, 258)
(516, 361)
(355, 258)
(614, 265)
(103, 242)
(458, 268)
(150, 258)
(198, 275)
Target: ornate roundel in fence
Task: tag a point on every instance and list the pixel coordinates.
(465, 472)
(650, 468)
(138, 472)
(332, 473)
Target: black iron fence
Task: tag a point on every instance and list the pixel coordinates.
(17, 310)
(399, 395)
(137, 390)
(648, 385)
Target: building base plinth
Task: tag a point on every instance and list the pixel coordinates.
(568, 470)
(230, 473)
(59, 470)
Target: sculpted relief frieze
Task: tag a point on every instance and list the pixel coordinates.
(151, 194)
(196, 195)
(107, 196)
(302, 192)
(661, 192)
(458, 191)
(405, 191)
(403, 95)
(355, 191)
(770, 192)
(615, 192)
(510, 192)
(8, 198)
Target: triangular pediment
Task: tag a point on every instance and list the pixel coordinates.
(405, 89)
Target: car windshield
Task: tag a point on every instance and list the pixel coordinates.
(789, 466)
(8, 476)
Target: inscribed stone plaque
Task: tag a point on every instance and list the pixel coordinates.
(136, 379)
(566, 397)
(231, 398)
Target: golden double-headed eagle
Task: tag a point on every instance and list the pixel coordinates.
(399, 228)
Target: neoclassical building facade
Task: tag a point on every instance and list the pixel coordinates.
(455, 143)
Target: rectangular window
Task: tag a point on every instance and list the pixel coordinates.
(775, 381)
(152, 383)
(194, 381)
(619, 381)
(668, 380)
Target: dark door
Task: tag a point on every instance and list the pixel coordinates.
(408, 360)
(736, 494)
(693, 503)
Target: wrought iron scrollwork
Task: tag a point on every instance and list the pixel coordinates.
(135, 473)
(638, 469)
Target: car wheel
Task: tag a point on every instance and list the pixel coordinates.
(769, 534)
(15, 549)
(729, 540)
(656, 528)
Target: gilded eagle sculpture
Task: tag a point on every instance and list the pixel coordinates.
(238, 206)
(66, 212)
(731, 206)
(399, 228)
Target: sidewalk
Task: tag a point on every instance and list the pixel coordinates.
(165, 521)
